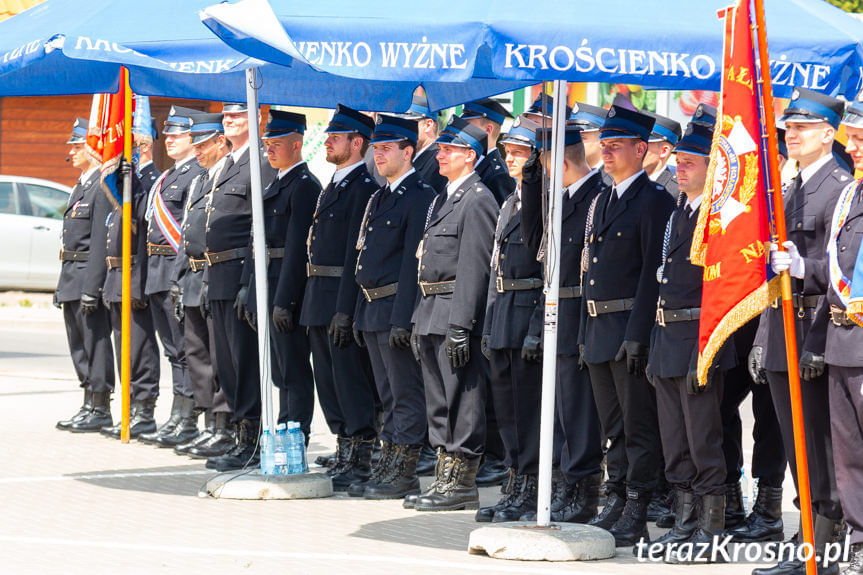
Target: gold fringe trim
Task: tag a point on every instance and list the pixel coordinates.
(749, 307)
(698, 250)
(112, 165)
(854, 311)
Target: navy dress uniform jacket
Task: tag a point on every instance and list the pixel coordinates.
(426, 164)
(457, 245)
(574, 217)
(808, 213)
(495, 176)
(332, 241)
(668, 180)
(174, 190)
(148, 175)
(112, 291)
(624, 250)
(394, 228)
(193, 242)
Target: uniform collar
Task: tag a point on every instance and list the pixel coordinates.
(180, 163)
(395, 185)
(695, 204)
(809, 171)
(452, 187)
(86, 175)
(286, 170)
(425, 148)
(218, 166)
(624, 185)
(575, 186)
(239, 151)
(343, 172)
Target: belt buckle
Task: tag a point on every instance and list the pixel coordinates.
(423, 289)
(775, 304)
(207, 258)
(308, 269)
(591, 308)
(498, 284)
(366, 293)
(660, 317)
(836, 315)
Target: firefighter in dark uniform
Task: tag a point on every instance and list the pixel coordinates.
(811, 120)
(144, 351)
(624, 236)
(540, 113)
(289, 202)
(577, 498)
(843, 352)
(88, 327)
(689, 416)
(511, 340)
(343, 374)
(488, 115)
(386, 273)
(167, 197)
(665, 135)
(425, 159)
(590, 119)
(453, 277)
(191, 308)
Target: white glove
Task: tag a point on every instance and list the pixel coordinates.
(788, 260)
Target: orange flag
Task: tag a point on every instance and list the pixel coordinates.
(732, 234)
(105, 139)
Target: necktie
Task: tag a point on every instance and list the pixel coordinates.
(228, 163)
(609, 208)
(794, 186)
(684, 220)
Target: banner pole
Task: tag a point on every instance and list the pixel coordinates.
(126, 315)
(774, 185)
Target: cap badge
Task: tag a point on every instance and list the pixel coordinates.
(795, 95)
(611, 113)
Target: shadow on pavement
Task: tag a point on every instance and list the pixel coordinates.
(449, 530)
(174, 480)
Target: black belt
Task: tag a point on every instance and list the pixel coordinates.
(273, 253)
(839, 317)
(70, 256)
(798, 301)
(664, 316)
(569, 292)
(380, 292)
(197, 265)
(435, 288)
(506, 284)
(226, 256)
(324, 271)
(160, 250)
(595, 308)
(115, 262)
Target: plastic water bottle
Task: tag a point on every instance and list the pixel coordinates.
(744, 487)
(296, 448)
(281, 450)
(267, 453)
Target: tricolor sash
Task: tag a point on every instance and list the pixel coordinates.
(850, 291)
(159, 212)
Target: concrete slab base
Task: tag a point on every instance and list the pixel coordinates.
(526, 542)
(250, 484)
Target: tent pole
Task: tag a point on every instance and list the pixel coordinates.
(126, 278)
(259, 250)
(552, 274)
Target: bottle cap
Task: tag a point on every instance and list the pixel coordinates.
(280, 426)
(293, 425)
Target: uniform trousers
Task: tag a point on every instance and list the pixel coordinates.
(846, 421)
(626, 405)
(400, 387)
(516, 392)
(343, 379)
(236, 360)
(691, 430)
(815, 398)
(143, 353)
(89, 338)
(171, 335)
(455, 398)
(292, 375)
(198, 340)
(768, 453)
(581, 450)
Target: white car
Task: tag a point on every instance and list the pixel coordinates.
(31, 223)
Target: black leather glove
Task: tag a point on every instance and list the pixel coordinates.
(635, 354)
(139, 304)
(415, 345)
(358, 337)
(581, 362)
(400, 338)
(651, 379)
(205, 301)
(89, 303)
(251, 319)
(240, 302)
(283, 320)
(811, 366)
(55, 301)
(341, 329)
(457, 346)
(484, 346)
(692, 387)
(756, 369)
(531, 349)
(531, 171)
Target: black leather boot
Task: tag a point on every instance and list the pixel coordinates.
(443, 465)
(561, 492)
(491, 472)
(735, 514)
(823, 533)
(632, 525)
(244, 454)
(610, 513)
(765, 521)
(99, 416)
(685, 522)
(402, 479)
(458, 492)
(380, 469)
(203, 437)
(509, 492)
(342, 455)
(660, 503)
(711, 523)
(358, 467)
(326, 460)
(427, 462)
(582, 505)
(221, 442)
(142, 420)
(167, 427)
(186, 428)
(82, 412)
(525, 502)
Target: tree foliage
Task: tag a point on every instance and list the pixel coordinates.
(848, 5)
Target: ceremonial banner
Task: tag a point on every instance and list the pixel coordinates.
(732, 233)
(105, 139)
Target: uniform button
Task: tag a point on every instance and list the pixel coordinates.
(502, 255)
(443, 230)
(371, 228)
(570, 239)
(316, 220)
(662, 302)
(665, 280)
(359, 267)
(595, 260)
(618, 234)
(842, 249)
(799, 225)
(599, 239)
(388, 222)
(848, 227)
(311, 254)
(592, 282)
(473, 321)
(426, 235)
(425, 251)
(505, 240)
(423, 267)
(365, 248)
(313, 237)
(669, 260)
